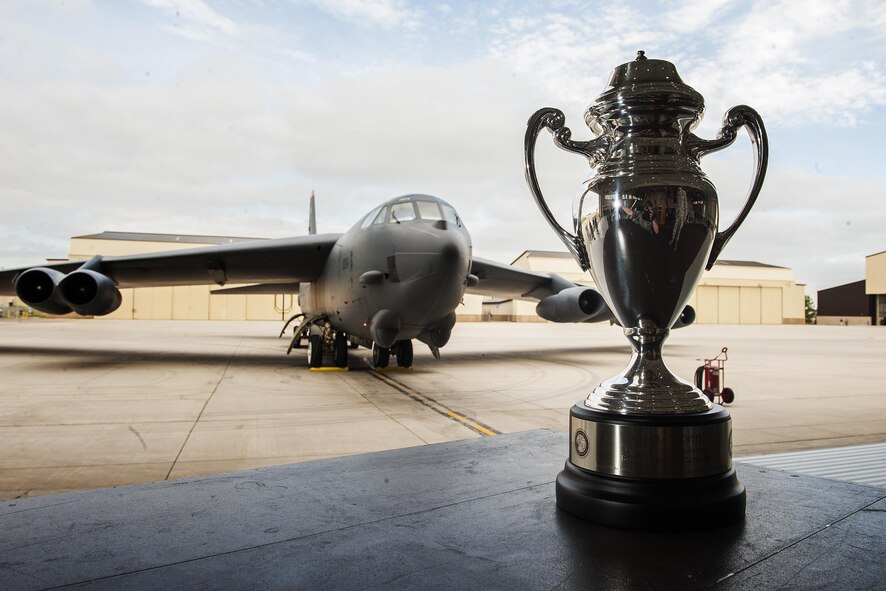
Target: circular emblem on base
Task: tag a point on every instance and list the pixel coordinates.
(581, 443)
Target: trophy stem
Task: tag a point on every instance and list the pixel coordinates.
(646, 385)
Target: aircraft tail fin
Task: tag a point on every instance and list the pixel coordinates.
(312, 217)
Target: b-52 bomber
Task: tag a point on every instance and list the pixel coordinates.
(395, 276)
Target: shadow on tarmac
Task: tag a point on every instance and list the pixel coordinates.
(99, 357)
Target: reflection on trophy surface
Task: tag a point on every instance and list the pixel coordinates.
(648, 449)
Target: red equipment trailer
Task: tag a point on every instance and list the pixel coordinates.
(710, 378)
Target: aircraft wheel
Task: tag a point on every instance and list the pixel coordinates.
(340, 357)
(315, 350)
(728, 395)
(381, 356)
(404, 354)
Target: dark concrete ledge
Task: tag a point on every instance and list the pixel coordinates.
(472, 514)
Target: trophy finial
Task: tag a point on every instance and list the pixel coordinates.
(641, 55)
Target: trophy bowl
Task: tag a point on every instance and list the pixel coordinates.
(648, 450)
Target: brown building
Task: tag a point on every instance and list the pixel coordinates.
(845, 304)
(859, 302)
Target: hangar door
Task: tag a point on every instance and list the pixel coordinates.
(707, 309)
(152, 303)
(771, 305)
(728, 305)
(751, 301)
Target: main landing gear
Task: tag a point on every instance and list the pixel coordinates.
(322, 340)
(381, 356)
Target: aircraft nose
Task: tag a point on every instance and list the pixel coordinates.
(452, 253)
(432, 281)
(450, 256)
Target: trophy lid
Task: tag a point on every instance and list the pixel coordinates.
(641, 83)
(644, 70)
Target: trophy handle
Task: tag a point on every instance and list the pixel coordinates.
(554, 120)
(736, 117)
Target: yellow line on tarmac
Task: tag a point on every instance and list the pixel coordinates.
(472, 424)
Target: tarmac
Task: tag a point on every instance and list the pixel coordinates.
(88, 404)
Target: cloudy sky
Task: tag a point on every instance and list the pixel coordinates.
(201, 117)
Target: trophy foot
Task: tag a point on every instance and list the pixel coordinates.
(665, 473)
(650, 390)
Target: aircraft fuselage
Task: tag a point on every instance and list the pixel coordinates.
(398, 274)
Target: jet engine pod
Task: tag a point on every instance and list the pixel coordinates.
(90, 293)
(573, 304)
(687, 317)
(385, 327)
(38, 288)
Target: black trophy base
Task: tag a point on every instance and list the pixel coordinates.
(679, 504)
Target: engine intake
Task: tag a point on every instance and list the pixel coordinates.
(573, 304)
(38, 288)
(90, 293)
(687, 317)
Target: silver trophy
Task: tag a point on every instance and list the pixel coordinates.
(648, 449)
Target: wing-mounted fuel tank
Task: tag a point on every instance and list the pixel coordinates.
(573, 304)
(84, 291)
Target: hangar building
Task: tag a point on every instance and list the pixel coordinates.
(733, 292)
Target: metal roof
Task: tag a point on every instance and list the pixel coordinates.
(747, 264)
(863, 464)
(558, 254)
(180, 238)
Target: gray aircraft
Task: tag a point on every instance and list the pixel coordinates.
(397, 275)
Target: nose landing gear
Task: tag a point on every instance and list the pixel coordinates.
(381, 356)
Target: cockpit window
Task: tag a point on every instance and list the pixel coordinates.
(429, 210)
(402, 212)
(380, 217)
(370, 217)
(451, 216)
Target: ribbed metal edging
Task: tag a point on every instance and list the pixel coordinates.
(862, 464)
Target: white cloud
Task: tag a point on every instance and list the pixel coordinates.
(383, 13)
(196, 20)
(780, 57)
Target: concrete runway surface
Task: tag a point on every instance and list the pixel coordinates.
(96, 403)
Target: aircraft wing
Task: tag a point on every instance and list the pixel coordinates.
(507, 281)
(283, 260)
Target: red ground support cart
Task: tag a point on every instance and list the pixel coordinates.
(710, 378)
